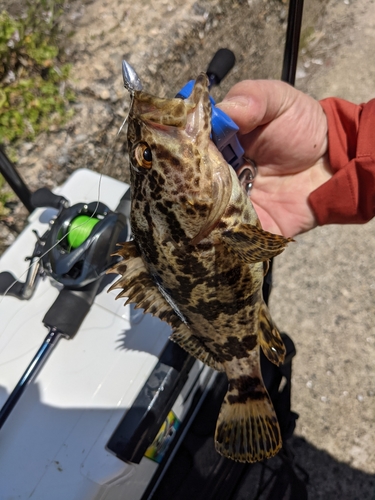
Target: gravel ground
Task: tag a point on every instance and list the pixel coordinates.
(324, 289)
(324, 284)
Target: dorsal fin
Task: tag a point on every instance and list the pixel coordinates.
(138, 286)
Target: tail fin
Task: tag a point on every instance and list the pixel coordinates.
(247, 429)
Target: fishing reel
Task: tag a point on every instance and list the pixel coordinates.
(76, 249)
(79, 243)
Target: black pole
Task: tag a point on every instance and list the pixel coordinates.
(63, 319)
(15, 181)
(30, 373)
(292, 41)
(288, 75)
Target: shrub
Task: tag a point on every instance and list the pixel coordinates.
(34, 89)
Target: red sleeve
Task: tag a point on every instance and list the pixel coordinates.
(349, 196)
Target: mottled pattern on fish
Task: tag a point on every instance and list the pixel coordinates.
(198, 259)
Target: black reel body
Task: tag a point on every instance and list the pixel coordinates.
(80, 242)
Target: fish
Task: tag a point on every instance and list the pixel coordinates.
(198, 258)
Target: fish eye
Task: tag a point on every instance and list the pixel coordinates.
(143, 155)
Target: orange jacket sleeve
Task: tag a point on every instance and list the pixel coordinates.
(349, 196)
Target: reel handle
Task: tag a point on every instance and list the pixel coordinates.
(44, 197)
(70, 308)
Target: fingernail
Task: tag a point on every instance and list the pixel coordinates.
(234, 102)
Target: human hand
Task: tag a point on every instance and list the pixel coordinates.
(285, 132)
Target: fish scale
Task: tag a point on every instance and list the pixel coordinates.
(198, 258)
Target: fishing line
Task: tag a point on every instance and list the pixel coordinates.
(82, 225)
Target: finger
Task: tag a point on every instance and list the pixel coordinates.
(252, 103)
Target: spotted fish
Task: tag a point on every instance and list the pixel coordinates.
(198, 259)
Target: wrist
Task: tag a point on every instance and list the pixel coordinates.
(347, 197)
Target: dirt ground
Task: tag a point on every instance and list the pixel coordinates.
(324, 285)
(323, 294)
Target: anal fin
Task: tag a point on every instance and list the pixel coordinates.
(186, 339)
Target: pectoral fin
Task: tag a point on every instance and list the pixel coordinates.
(252, 244)
(138, 286)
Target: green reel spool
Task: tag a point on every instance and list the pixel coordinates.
(80, 229)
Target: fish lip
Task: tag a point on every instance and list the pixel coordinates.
(132, 81)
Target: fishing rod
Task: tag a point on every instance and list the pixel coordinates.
(60, 324)
(75, 251)
(293, 34)
(226, 473)
(288, 75)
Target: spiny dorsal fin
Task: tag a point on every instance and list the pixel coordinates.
(137, 284)
(269, 337)
(253, 244)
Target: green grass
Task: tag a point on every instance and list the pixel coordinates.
(34, 86)
(34, 89)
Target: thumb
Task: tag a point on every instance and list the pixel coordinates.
(252, 103)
